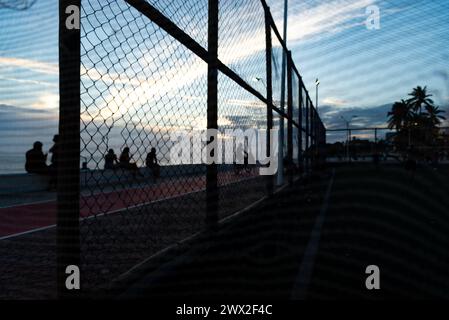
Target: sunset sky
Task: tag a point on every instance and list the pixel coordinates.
(361, 71)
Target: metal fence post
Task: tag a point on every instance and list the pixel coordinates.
(300, 125)
(312, 135)
(212, 112)
(307, 133)
(290, 116)
(269, 70)
(68, 165)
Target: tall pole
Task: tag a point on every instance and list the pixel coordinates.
(317, 84)
(68, 167)
(269, 87)
(347, 141)
(212, 114)
(281, 124)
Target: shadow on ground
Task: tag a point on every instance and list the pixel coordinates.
(257, 255)
(376, 216)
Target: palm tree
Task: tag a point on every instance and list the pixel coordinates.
(434, 115)
(400, 115)
(419, 97)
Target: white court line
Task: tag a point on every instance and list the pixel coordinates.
(27, 232)
(302, 281)
(88, 194)
(117, 211)
(27, 204)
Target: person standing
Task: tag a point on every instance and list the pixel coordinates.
(53, 168)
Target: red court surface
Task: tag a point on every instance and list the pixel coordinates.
(25, 218)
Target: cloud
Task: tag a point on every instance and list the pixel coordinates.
(29, 81)
(366, 117)
(327, 18)
(335, 101)
(313, 20)
(37, 66)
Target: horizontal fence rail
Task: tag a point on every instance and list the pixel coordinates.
(136, 73)
(216, 65)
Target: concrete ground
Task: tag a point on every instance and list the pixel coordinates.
(316, 243)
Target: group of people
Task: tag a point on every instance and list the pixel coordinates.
(112, 162)
(36, 161)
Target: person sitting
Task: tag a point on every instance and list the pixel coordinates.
(36, 163)
(152, 163)
(125, 163)
(36, 160)
(110, 160)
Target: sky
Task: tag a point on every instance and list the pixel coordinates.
(362, 72)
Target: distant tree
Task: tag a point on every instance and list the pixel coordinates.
(399, 115)
(420, 98)
(416, 121)
(434, 115)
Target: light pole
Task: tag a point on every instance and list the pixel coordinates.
(347, 134)
(317, 83)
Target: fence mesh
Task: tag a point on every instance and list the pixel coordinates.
(138, 86)
(140, 83)
(241, 44)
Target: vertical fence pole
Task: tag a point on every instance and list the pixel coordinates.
(269, 70)
(300, 126)
(312, 134)
(289, 115)
(315, 134)
(307, 133)
(68, 165)
(212, 112)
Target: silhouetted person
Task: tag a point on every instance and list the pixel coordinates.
(36, 160)
(110, 160)
(125, 163)
(246, 161)
(152, 163)
(53, 168)
(241, 156)
(54, 150)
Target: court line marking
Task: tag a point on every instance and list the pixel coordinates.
(117, 210)
(304, 275)
(89, 194)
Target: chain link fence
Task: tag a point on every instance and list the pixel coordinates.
(149, 69)
(385, 145)
(145, 75)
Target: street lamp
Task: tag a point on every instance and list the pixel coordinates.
(258, 79)
(348, 138)
(317, 83)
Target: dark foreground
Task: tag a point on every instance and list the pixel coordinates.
(383, 217)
